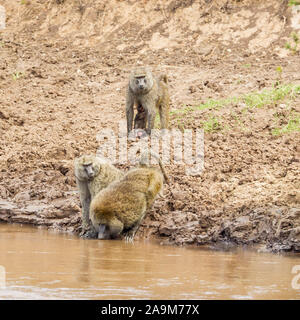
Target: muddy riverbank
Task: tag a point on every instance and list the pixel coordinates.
(63, 73)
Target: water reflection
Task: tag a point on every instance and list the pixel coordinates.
(47, 265)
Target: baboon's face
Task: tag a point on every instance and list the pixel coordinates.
(88, 168)
(141, 83)
(141, 80)
(89, 171)
(106, 231)
(108, 228)
(103, 232)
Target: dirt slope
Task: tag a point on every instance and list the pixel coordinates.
(63, 72)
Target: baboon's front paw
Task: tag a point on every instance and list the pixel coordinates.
(129, 238)
(89, 234)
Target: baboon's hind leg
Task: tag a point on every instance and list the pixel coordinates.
(151, 113)
(129, 235)
(164, 114)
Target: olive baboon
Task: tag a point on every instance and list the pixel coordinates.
(92, 175)
(150, 93)
(121, 206)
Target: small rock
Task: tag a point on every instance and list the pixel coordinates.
(22, 196)
(167, 230)
(192, 89)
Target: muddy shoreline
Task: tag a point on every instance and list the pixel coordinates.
(273, 230)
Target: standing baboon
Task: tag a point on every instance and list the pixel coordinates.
(121, 206)
(92, 175)
(150, 93)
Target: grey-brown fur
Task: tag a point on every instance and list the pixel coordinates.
(149, 92)
(92, 175)
(121, 206)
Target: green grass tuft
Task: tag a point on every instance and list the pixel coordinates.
(17, 75)
(211, 125)
(252, 100)
(258, 99)
(294, 3)
(293, 125)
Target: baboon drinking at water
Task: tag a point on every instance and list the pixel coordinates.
(92, 175)
(121, 206)
(149, 93)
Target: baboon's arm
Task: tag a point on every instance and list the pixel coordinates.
(85, 199)
(129, 109)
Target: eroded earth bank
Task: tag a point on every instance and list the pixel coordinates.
(233, 69)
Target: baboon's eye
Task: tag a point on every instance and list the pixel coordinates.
(137, 81)
(145, 80)
(87, 164)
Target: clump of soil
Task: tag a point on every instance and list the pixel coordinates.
(63, 73)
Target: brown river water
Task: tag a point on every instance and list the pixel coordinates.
(40, 264)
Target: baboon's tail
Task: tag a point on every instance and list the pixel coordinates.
(144, 161)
